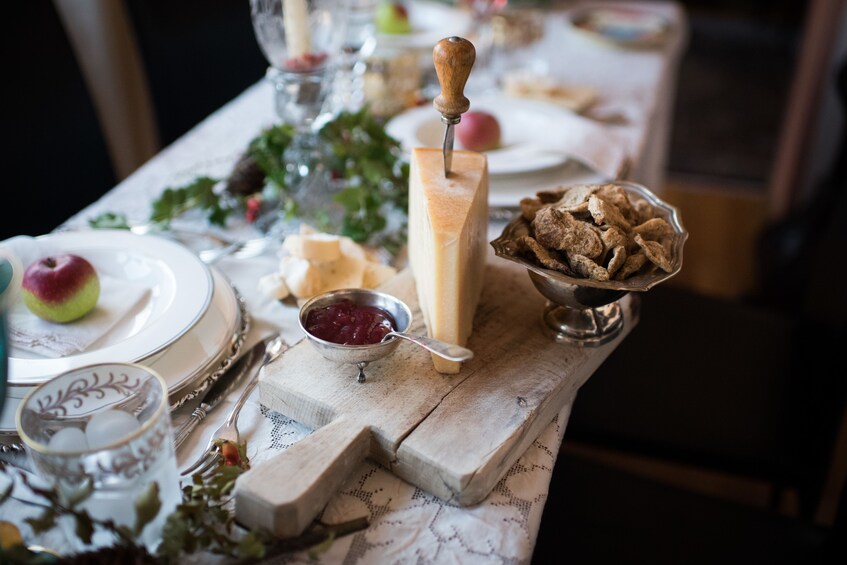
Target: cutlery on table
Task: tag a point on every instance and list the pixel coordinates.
(453, 58)
(241, 248)
(271, 348)
(220, 389)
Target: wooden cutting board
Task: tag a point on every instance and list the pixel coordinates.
(452, 435)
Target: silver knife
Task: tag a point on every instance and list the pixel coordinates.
(221, 388)
(453, 58)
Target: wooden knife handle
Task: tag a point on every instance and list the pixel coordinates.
(453, 58)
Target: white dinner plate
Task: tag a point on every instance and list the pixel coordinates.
(180, 290)
(216, 338)
(624, 25)
(431, 22)
(522, 122)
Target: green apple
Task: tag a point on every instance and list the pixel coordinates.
(392, 17)
(60, 288)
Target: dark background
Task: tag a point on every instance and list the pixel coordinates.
(199, 54)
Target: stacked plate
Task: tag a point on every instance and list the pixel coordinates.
(188, 326)
(523, 163)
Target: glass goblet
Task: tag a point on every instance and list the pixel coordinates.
(484, 76)
(301, 40)
(102, 434)
(348, 93)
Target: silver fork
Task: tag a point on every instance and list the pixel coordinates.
(228, 431)
(244, 249)
(241, 248)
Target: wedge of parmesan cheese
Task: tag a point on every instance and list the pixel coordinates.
(448, 232)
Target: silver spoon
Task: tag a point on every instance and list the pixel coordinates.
(449, 351)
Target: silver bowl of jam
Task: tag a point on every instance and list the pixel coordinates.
(348, 325)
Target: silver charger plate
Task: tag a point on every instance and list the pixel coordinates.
(199, 376)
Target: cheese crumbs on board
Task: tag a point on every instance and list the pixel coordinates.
(313, 262)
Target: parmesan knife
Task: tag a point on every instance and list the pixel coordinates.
(453, 57)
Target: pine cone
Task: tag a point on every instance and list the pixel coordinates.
(246, 178)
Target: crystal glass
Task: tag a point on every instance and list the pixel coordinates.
(358, 44)
(302, 41)
(104, 428)
(484, 76)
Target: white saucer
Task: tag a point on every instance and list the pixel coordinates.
(626, 25)
(180, 291)
(521, 123)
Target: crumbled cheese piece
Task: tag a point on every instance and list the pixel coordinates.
(314, 262)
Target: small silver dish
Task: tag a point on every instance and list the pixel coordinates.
(582, 311)
(359, 355)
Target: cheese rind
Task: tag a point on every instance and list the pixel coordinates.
(448, 230)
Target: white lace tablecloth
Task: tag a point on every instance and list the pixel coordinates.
(407, 525)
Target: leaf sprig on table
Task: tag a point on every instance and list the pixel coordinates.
(376, 173)
(202, 522)
(366, 164)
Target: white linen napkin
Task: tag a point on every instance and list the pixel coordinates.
(602, 148)
(29, 332)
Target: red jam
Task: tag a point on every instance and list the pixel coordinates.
(347, 323)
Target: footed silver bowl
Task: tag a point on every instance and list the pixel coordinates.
(582, 311)
(359, 355)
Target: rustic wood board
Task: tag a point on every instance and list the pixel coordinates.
(452, 435)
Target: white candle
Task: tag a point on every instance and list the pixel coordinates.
(296, 21)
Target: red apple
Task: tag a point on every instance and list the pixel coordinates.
(478, 131)
(60, 288)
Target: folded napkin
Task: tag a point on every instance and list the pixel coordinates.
(602, 148)
(524, 84)
(27, 331)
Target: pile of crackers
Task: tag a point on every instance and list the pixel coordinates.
(595, 231)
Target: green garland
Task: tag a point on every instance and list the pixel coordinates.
(368, 165)
(202, 522)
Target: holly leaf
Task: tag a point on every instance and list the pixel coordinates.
(109, 220)
(44, 522)
(251, 547)
(267, 150)
(199, 194)
(147, 506)
(84, 527)
(76, 494)
(174, 536)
